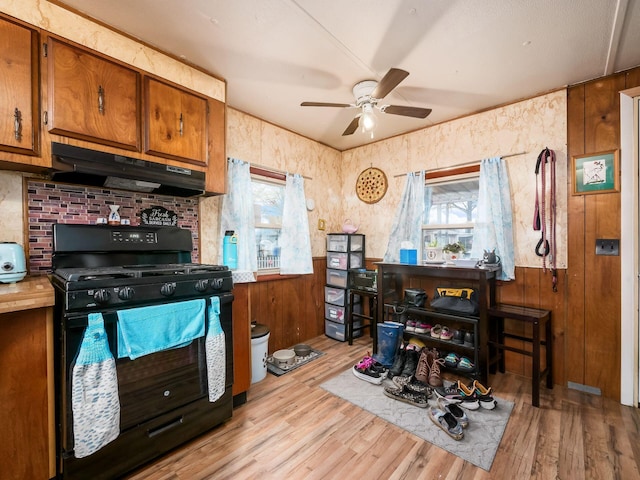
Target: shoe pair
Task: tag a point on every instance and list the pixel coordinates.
(452, 394)
(428, 369)
(470, 397)
(406, 395)
(444, 418)
(370, 371)
(405, 362)
(412, 383)
(452, 360)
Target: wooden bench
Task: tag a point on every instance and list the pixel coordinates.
(538, 319)
(369, 317)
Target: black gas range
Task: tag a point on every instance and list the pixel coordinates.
(163, 396)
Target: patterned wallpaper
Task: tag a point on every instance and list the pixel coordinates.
(49, 203)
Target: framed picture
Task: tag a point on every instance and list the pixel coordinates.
(596, 173)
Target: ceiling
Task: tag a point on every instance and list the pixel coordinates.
(463, 55)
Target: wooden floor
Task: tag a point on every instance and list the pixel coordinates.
(290, 428)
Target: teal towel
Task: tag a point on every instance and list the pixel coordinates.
(146, 330)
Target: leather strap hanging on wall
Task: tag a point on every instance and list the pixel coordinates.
(546, 246)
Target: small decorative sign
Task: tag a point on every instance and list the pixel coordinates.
(159, 216)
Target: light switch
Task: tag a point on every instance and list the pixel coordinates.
(321, 224)
(607, 246)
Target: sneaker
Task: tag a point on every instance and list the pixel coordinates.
(458, 337)
(413, 384)
(423, 327)
(449, 393)
(422, 369)
(410, 363)
(407, 396)
(484, 396)
(370, 371)
(447, 422)
(468, 396)
(466, 365)
(454, 410)
(434, 363)
(410, 326)
(436, 330)
(451, 360)
(446, 334)
(398, 363)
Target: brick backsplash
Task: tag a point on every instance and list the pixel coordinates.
(50, 203)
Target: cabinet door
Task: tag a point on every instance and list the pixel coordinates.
(217, 166)
(92, 98)
(175, 123)
(19, 132)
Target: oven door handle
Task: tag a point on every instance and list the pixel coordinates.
(167, 426)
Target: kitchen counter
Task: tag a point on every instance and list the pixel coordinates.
(30, 293)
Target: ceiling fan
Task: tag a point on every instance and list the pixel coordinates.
(368, 94)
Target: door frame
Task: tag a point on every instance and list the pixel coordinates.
(629, 246)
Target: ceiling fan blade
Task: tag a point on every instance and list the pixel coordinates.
(323, 104)
(353, 126)
(390, 81)
(405, 111)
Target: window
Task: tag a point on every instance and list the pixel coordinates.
(451, 211)
(268, 200)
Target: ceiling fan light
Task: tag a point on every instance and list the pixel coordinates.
(368, 119)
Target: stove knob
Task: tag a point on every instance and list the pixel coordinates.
(126, 293)
(102, 295)
(216, 283)
(168, 289)
(201, 285)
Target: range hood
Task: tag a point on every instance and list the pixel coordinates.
(82, 166)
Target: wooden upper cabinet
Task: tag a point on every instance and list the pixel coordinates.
(19, 105)
(217, 167)
(175, 122)
(92, 98)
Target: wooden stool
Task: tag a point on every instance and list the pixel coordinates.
(538, 319)
(369, 318)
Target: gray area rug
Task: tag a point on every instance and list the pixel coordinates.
(481, 438)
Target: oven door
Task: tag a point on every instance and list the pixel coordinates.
(148, 386)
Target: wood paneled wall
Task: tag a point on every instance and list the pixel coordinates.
(292, 307)
(593, 296)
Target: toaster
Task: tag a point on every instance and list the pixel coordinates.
(13, 266)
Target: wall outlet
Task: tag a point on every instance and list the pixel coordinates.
(607, 246)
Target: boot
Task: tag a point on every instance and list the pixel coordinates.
(422, 370)
(410, 363)
(398, 364)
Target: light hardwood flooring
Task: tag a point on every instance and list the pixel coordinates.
(290, 428)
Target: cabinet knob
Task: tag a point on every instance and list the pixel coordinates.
(17, 124)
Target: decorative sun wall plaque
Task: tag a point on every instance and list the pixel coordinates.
(371, 185)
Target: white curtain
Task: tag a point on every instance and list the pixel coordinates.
(407, 226)
(237, 215)
(494, 225)
(295, 243)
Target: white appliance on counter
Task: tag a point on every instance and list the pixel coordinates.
(13, 266)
